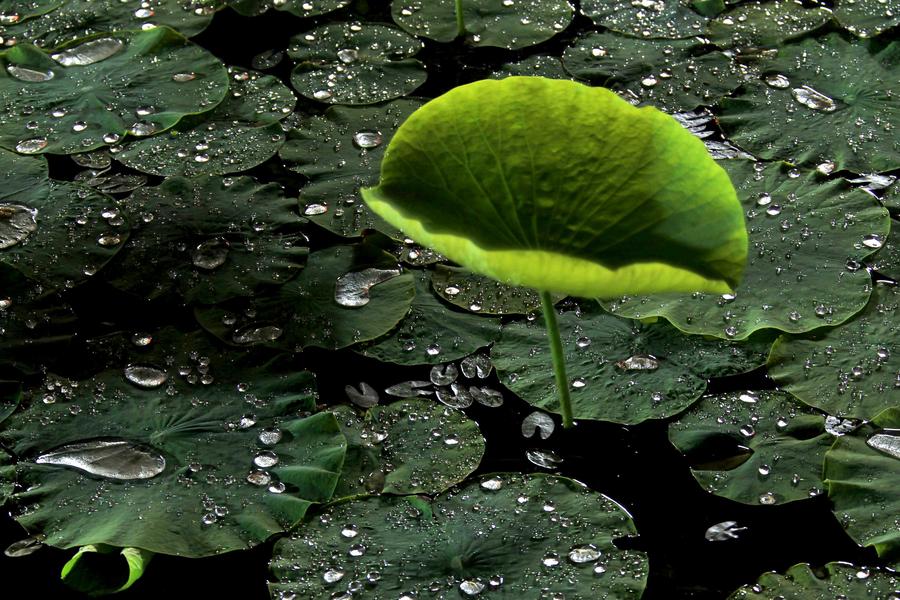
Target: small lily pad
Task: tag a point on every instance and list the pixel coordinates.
(239, 134)
(620, 370)
(345, 295)
(480, 294)
(863, 475)
(539, 65)
(835, 580)
(820, 101)
(407, 447)
(301, 8)
(433, 332)
(510, 25)
(340, 151)
(849, 371)
(807, 236)
(353, 63)
(212, 238)
(196, 473)
(765, 24)
(669, 19)
(507, 535)
(92, 92)
(674, 75)
(867, 18)
(759, 448)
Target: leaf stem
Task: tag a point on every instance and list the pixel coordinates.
(559, 360)
(460, 24)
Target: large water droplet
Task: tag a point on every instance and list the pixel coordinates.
(366, 139)
(884, 442)
(31, 146)
(29, 75)
(471, 587)
(25, 547)
(332, 575)
(584, 554)
(493, 484)
(837, 426)
(639, 362)
(110, 458)
(89, 53)
(813, 99)
(145, 376)
(257, 334)
(352, 289)
(777, 80)
(210, 254)
(17, 222)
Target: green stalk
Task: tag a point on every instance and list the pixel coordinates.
(559, 360)
(460, 24)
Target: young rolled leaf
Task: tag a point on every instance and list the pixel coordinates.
(562, 187)
(98, 569)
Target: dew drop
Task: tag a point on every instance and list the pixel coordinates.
(31, 146)
(17, 222)
(269, 436)
(584, 554)
(29, 75)
(144, 376)
(352, 289)
(813, 99)
(109, 458)
(89, 53)
(210, 254)
(367, 139)
(265, 459)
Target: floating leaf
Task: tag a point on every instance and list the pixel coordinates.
(509, 24)
(646, 18)
(528, 180)
(863, 476)
(433, 332)
(508, 536)
(620, 370)
(538, 65)
(340, 151)
(301, 8)
(836, 580)
(867, 18)
(826, 100)
(408, 447)
(673, 75)
(212, 238)
(214, 493)
(92, 570)
(69, 20)
(765, 24)
(754, 447)
(98, 89)
(850, 371)
(352, 63)
(237, 135)
(477, 293)
(806, 238)
(312, 309)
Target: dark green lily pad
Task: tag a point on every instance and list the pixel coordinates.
(891, 198)
(765, 23)
(239, 134)
(848, 371)
(480, 294)
(433, 332)
(510, 25)
(190, 474)
(807, 236)
(301, 8)
(867, 18)
(620, 370)
(407, 447)
(821, 100)
(340, 151)
(835, 580)
(374, 296)
(669, 19)
(69, 20)
(863, 476)
(539, 65)
(673, 75)
(211, 238)
(508, 536)
(140, 83)
(353, 63)
(754, 447)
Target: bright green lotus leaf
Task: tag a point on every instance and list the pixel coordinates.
(539, 65)
(835, 580)
(433, 332)
(193, 473)
(674, 75)
(510, 25)
(863, 475)
(754, 447)
(765, 24)
(867, 18)
(353, 63)
(619, 370)
(849, 371)
(821, 100)
(74, 19)
(407, 447)
(345, 295)
(483, 295)
(561, 187)
(98, 569)
(239, 134)
(301, 8)
(508, 535)
(807, 236)
(211, 238)
(339, 152)
(98, 89)
(670, 19)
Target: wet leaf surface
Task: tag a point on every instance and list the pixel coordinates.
(834, 580)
